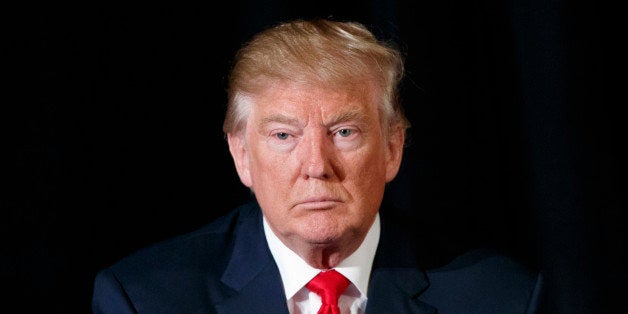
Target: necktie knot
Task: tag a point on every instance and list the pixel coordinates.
(329, 285)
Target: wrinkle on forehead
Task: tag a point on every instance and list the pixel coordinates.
(299, 104)
(359, 88)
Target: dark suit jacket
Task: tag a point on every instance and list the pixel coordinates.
(226, 267)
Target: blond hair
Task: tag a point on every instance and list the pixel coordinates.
(322, 52)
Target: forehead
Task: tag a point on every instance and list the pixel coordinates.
(307, 99)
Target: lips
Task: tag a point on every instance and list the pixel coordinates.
(320, 197)
(317, 199)
(318, 202)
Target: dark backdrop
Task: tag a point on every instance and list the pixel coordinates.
(114, 137)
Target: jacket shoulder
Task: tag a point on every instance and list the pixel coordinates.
(484, 281)
(208, 242)
(186, 267)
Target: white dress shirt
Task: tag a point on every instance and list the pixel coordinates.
(295, 273)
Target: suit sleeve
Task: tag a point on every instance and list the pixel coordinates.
(109, 296)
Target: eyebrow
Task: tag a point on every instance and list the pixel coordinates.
(353, 115)
(279, 118)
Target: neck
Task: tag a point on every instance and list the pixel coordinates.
(324, 255)
(321, 255)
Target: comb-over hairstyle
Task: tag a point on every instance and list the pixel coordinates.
(318, 52)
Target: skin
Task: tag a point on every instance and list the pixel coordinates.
(318, 161)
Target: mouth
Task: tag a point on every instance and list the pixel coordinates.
(318, 203)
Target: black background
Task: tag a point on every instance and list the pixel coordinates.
(113, 117)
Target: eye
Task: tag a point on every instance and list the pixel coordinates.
(282, 135)
(345, 132)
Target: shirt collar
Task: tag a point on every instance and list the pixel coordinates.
(295, 272)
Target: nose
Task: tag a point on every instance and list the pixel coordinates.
(317, 156)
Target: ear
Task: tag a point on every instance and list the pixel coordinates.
(237, 148)
(394, 152)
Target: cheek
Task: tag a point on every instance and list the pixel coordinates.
(269, 169)
(369, 167)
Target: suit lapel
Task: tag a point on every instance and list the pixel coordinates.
(396, 281)
(263, 294)
(252, 272)
(396, 290)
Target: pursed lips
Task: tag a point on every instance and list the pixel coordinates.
(318, 202)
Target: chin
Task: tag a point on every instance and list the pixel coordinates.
(323, 240)
(324, 236)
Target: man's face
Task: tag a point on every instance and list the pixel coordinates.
(317, 161)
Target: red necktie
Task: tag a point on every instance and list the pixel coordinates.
(329, 285)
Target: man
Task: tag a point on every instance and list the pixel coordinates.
(316, 132)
